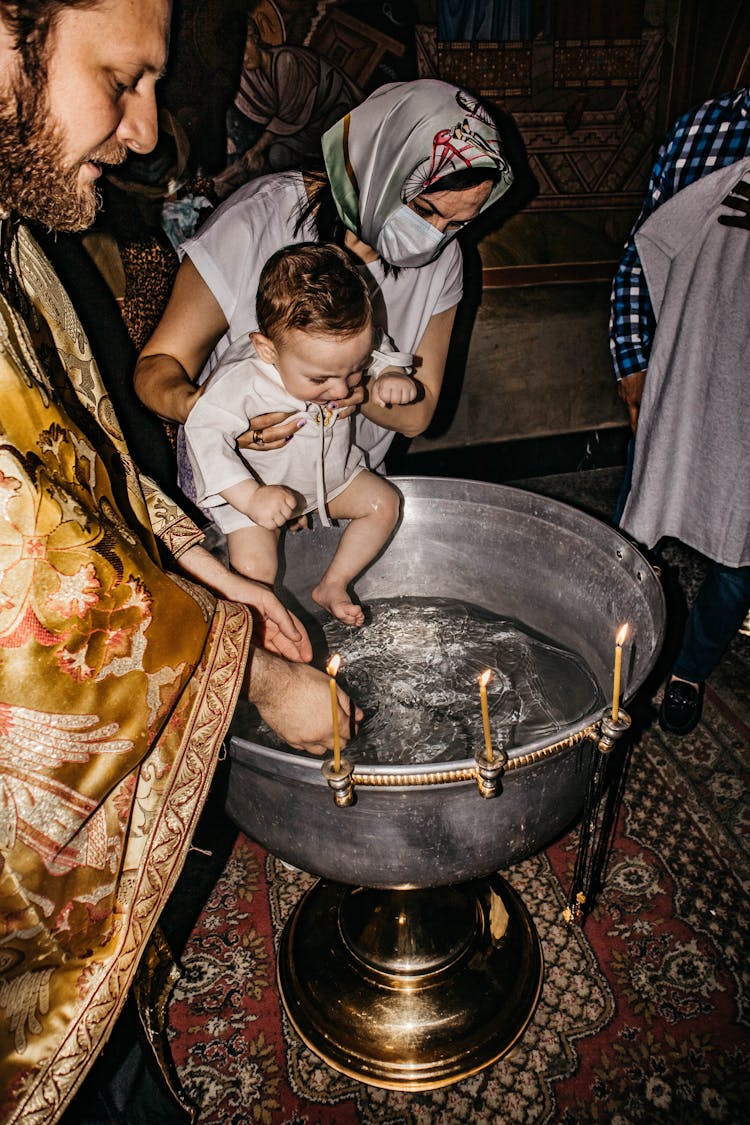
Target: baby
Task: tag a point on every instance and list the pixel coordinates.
(314, 344)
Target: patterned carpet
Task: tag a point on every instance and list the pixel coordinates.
(644, 1014)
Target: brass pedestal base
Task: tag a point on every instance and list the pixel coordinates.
(410, 990)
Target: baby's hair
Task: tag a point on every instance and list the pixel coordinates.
(314, 287)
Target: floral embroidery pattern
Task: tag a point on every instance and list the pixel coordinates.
(50, 589)
(25, 999)
(110, 639)
(64, 827)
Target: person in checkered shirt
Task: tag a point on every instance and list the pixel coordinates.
(700, 142)
(704, 140)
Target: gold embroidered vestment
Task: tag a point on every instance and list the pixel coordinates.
(117, 682)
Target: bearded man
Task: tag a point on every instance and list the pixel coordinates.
(117, 676)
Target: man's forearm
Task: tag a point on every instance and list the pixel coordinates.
(211, 572)
(630, 390)
(259, 675)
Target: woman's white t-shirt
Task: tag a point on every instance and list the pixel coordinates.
(260, 218)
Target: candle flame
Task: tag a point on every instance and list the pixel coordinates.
(485, 677)
(622, 634)
(333, 665)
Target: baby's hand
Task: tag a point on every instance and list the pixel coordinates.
(271, 505)
(393, 388)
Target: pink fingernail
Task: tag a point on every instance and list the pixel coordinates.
(302, 422)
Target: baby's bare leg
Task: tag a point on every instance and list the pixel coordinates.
(372, 505)
(254, 552)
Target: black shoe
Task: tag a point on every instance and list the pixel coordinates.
(681, 707)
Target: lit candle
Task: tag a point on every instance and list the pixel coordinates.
(484, 679)
(332, 668)
(619, 642)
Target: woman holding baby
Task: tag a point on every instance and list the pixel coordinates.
(404, 172)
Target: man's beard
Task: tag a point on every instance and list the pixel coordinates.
(35, 182)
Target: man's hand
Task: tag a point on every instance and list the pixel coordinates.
(393, 388)
(739, 200)
(630, 390)
(295, 701)
(271, 506)
(279, 631)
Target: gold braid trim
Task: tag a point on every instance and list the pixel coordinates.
(469, 773)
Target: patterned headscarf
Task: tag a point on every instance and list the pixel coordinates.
(405, 137)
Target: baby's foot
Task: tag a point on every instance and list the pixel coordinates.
(338, 603)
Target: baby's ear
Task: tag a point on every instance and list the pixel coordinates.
(264, 347)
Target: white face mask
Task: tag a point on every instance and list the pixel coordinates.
(406, 239)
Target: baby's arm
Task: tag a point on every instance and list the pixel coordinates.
(393, 388)
(268, 505)
(391, 383)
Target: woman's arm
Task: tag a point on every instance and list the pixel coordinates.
(184, 338)
(413, 418)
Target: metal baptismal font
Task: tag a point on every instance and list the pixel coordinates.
(412, 963)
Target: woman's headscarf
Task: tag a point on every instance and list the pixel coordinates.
(401, 140)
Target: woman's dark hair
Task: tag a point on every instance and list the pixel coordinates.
(320, 208)
(464, 178)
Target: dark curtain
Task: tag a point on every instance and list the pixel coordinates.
(495, 21)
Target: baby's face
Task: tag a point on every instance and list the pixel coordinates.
(322, 369)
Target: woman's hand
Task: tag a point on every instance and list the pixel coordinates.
(270, 431)
(355, 398)
(274, 430)
(295, 701)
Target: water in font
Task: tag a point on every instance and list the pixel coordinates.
(413, 669)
